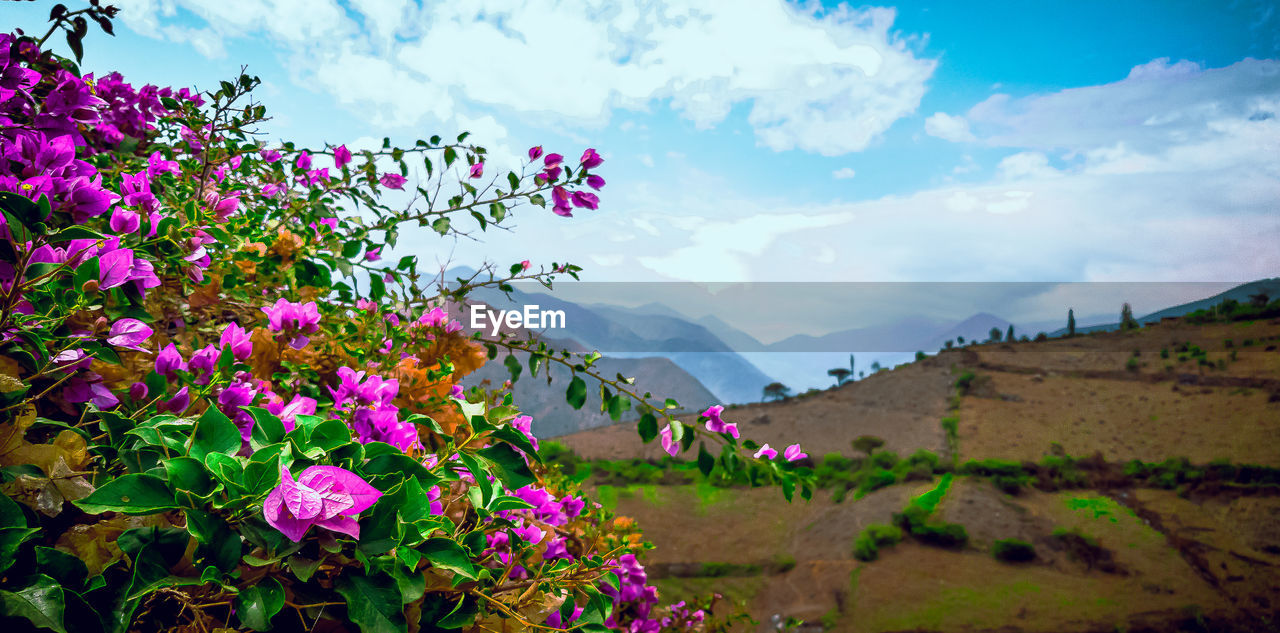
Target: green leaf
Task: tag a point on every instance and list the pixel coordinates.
(373, 603)
(446, 554)
(512, 469)
(215, 433)
(705, 461)
(463, 614)
(68, 570)
(263, 470)
(226, 468)
(618, 405)
(441, 225)
(267, 428)
(11, 540)
(188, 477)
(77, 232)
(10, 513)
(130, 494)
(257, 603)
(41, 603)
(303, 568)
(576, 394)
(217, 541)
(17, 229)
(513, 365)
(648, 427)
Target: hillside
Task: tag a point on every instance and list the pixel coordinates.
(1158, 546)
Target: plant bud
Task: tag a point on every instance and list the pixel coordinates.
(89, 287)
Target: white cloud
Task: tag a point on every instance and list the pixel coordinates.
(948, 127)
(824, 81)
(844, 173)
(961, 201)
(645, 160)
(1157, 106)
(1025, 165)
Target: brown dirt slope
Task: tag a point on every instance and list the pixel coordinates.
(1208, 560)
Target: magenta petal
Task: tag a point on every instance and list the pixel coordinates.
(278, 517)
(300, 500)
(362, 494)
(343, 524)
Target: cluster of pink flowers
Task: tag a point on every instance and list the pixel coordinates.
(294, 321)
(365, 403)
(716, 424)
(564, 200)
(535, 526)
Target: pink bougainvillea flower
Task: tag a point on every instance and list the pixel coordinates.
(535, 152)
(373, 254)
(436, 317)
(129, 334)
(168, 360)
(324, 496)
(392, 181)
(269, 155)
(552, 160)
(717, 425)
(157, 164)
(341, 156)
(456, 391)
(560, 196)
(595, 182)
(271, 189)
(766, 452)
(237, 339)
(178, 403)
(224, 208)
(551, 174)
(295, 320)
(793, 453)
(477, 170)
(114, 268)
(138, 391)
(586, 200)
(72, 359)
(590, 159)
(89, 388)
(288, 413)
(304, 161)
(137, 192)
(203, 362)
(524, 265)
(668, 444)
(125, 221)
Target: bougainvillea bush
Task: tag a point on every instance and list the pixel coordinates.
(222, 407)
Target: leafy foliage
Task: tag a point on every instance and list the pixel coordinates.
(220, 406)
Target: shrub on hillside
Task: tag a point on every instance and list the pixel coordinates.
(947, 535)
(1012, 550)
(867, 546)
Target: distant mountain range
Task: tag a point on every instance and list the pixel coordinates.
(706, 360)
(651, 331)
